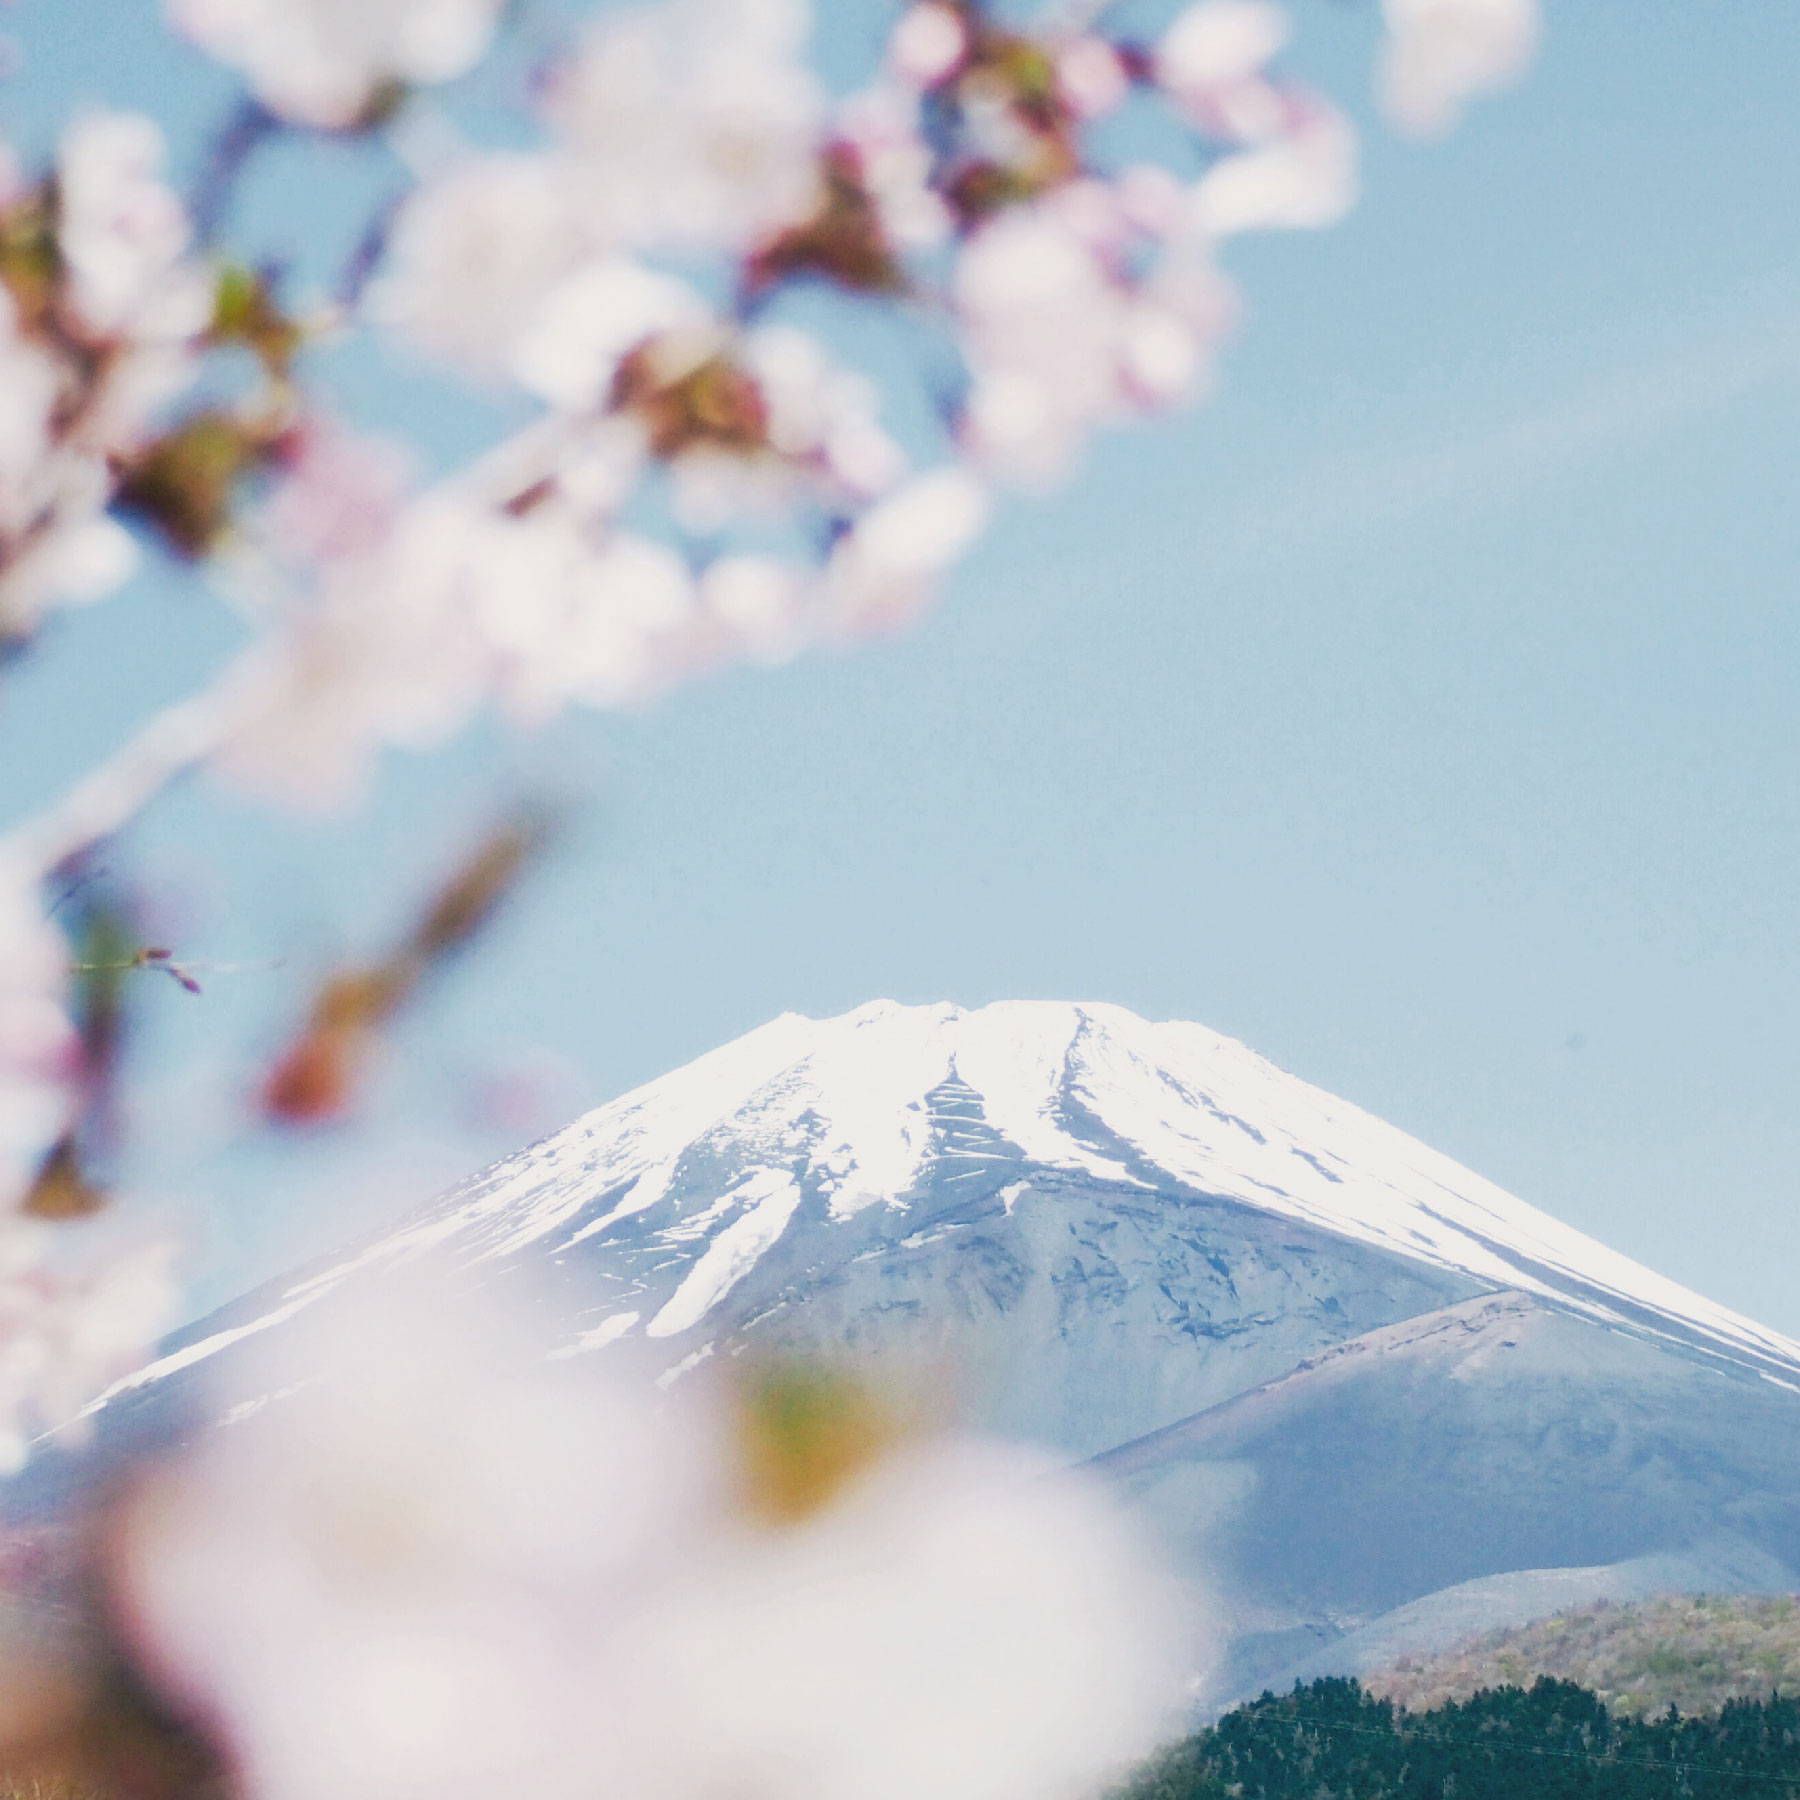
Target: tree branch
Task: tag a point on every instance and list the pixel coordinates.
(172, 743)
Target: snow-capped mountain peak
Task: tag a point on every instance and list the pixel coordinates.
(809, 1146)
(1335, 1370)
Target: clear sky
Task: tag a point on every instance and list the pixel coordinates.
(1421, 710)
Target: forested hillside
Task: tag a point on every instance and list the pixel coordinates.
(1553, 1741)
(1694, 1652)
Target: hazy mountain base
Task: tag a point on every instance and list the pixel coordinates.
(1432, 1479)
(1694, 1652)
(1450, 1620)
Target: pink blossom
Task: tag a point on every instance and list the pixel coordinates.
(437, 1565)
(881, 125)
(696, 124)
(411, 1577)
(1058, 336)
(38, 1051)
(607, 622)
(123, 232)
(323, 62)
(68, 417)
(81, 556)
(822, 417)
(885, 570)
(67, 1333)
(1091, 76)
(965, 1621)
(569, 348)
(380, 655)
(1151, 200)
(474, 252)
(1210, 63)
(463, 603)
(1302, 180)
(1039, 307)
(1442, 53)
(928, 42)
(45, 564)
(759, 603)
(66, 1329)
(340, 492)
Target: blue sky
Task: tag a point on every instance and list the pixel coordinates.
(1420, 710)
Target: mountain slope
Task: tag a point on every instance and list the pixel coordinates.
(1501, 1434)
(1692, 1651)
(1346, 1377)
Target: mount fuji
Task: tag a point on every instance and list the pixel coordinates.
(1368, 1399)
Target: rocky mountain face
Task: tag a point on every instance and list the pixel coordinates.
(1356, 1387)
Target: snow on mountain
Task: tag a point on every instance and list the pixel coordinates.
(1358, 1390)
(1033, 1149)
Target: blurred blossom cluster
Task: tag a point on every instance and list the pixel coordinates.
(656, 284)
(702, 475)
(102, 310)
(443, 1566)
(69, 1322)
(706, 479)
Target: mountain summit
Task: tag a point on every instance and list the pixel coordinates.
(1346, 1376)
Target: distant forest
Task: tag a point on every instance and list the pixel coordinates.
(1693, 1651)
(1552, 1741)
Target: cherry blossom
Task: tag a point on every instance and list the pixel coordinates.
(426, 1565)
(759, 603)
(879, 129)
(1302, 179)
(56, 546)
(1060, 338)
(618, 271)
(821, 426)
(706, 472)
(461, 601)
(340, 493)
(67, 1327)
(1092, 76)
(1442, 53)
(884, 570)
(38, 1051)
(928, 43)
(123, 232)
(66, 1334)
(474, 252)
(98, 331)
(326, 63)
(405, 1578)
(1211, 62)
(570, 348)
(694, 124)
(966, 1620)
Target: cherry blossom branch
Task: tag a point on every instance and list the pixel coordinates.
(246, 131)
(173, 742)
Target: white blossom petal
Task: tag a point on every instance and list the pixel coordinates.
(1301, 181)
(886, 568)
(1210, 60)
(1442, 53)
(323, 62)
(571, 347)
(696, 124)
(474, 253)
